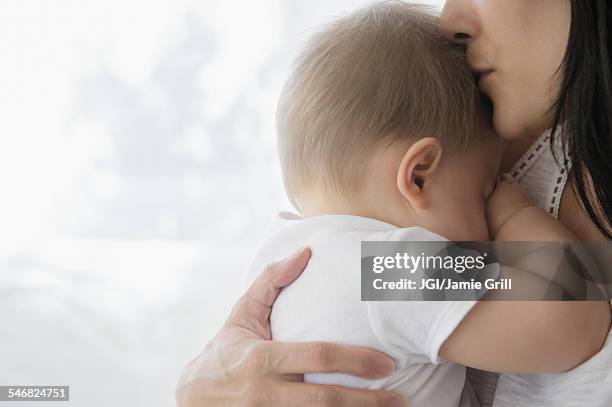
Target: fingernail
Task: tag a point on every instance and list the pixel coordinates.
(383, 366)
(396, 401)
(294, 255)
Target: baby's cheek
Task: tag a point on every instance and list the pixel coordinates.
(481, 228)
(473, 227)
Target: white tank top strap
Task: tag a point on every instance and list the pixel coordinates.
(540, 174)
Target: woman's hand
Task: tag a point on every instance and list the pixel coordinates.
(241, 366)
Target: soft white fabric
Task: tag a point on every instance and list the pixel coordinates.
(589, 385)
(541, 175)
(324, 305)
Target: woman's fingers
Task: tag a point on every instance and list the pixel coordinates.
(277, 275)
(312, 395)
(320, 357)
(239, 367)
(253, 308)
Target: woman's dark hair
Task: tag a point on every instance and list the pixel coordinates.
(583, 110)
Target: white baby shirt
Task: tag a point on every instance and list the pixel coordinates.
(324, 304)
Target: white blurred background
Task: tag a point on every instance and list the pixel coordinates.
(137, 175)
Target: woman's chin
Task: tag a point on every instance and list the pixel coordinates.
(510, 127)
(518, 118)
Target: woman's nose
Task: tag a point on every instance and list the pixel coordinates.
(459, 21)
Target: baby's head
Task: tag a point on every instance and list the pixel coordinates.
(381, 119)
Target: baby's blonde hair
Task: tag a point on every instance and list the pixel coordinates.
(382, 73)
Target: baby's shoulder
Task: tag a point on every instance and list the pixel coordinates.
(415, 233)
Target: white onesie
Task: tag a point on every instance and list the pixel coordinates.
(324, 304)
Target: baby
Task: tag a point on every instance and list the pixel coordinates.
(381, 138)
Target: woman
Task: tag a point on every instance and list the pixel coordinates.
(545, 64)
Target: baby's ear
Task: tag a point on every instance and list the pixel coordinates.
(419, 163)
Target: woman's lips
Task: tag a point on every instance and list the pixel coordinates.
(483, 76)
(480, 72)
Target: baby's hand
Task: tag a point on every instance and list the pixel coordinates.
(508, 199)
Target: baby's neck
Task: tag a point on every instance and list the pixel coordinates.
(378, 208)
(333, 208)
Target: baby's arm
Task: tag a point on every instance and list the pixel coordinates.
(529, 336)
(512, 216)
